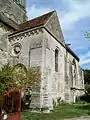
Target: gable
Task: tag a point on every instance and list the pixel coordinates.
(41, 20)
(53, 26)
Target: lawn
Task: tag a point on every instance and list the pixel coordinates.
(60, 113)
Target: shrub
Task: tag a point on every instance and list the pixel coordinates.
(85, 98)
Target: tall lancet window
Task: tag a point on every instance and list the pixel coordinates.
(56, 60)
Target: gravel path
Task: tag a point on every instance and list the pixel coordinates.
(80, 118)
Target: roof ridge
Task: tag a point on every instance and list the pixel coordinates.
(51, 12)
(41, 20)
(43, 15)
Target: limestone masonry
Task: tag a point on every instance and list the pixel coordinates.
(40, 43)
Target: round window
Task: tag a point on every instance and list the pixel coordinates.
(16, 49)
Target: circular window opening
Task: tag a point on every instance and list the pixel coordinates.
(16, 49)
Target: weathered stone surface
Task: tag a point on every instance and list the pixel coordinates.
(36, 48)
(54, 26)
(13, 10)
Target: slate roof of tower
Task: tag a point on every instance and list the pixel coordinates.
(41, 20)
(8, 21)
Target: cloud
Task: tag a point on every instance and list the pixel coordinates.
(86, 55)
(76, 12)
(34, 11)
(85, 61)
(73, 12)
(73, 16)
(85, 58)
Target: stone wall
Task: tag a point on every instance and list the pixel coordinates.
(53, 25)
(13, 11)
(74, 83)
(37, 48)
(59, 84)
(4, 31)
(53, 83)
(30, 55)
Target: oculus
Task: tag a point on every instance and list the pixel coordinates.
(16, 49)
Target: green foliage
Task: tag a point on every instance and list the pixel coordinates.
(17, 76)
(87, 81)
(87, 35)
(5, 78)
(85, 98)
(87, 89)
(87, 76)
(61, 112)
(34, 76)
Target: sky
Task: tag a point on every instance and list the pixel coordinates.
(74, 17)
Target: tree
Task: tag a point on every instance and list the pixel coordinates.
(87, 35)
(5, 78)
(87, 76)
(18, 76)
(86, 97)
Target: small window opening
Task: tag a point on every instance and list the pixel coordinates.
(56, 60)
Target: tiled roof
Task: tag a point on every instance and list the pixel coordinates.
(35, 22)
(8, 21)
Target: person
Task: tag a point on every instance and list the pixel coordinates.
(26, 99)
(4, 115)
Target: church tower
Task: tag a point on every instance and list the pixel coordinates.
(14, 10)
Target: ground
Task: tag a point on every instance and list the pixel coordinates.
(62, 112)
(80, 118)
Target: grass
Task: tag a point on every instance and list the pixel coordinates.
(61, 112)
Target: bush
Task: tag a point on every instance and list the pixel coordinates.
(85, 98)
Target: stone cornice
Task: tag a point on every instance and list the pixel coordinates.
(24, 34)
(73, 88)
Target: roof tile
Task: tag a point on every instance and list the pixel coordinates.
(35, 22)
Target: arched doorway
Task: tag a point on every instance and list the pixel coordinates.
(12, 98)
(20, 74)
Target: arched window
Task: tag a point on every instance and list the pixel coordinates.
(74, 71)
(70, 73)
(56, 60)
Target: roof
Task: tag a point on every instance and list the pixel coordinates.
(8, 21)
(41, 20)
(72, 53)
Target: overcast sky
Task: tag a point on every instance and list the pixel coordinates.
(74, 17)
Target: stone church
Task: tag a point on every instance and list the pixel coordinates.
(40, 43)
